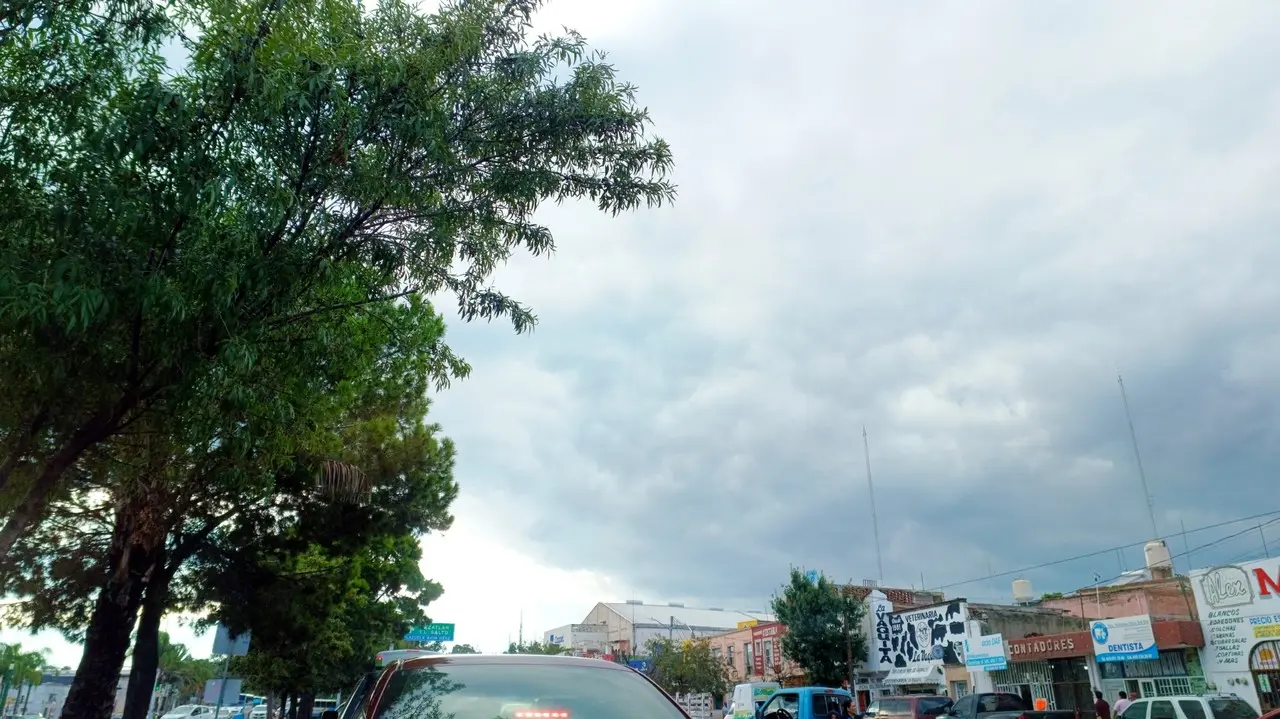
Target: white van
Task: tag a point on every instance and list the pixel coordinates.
(748, 698)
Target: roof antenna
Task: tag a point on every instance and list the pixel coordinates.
(875, 522)
(1142, 474)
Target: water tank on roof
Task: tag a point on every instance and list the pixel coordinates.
(1158, 559)
(1023, 592)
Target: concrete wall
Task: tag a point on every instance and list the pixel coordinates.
(1162, 599)
(1019, 622)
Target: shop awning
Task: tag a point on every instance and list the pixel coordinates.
(915, 674)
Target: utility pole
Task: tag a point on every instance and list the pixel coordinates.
(671, 628)
(871, 489)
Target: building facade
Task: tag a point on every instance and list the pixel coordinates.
(630, 625)
(1239, 606)
(582, 640)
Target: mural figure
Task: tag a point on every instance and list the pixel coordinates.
(922, 635)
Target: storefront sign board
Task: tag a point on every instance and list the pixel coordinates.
(985, 653)
(1124, 639)
(1239, 607)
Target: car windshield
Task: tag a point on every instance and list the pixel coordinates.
(1232, 709)
(521, 691)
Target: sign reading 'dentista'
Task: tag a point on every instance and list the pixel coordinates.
(1124, 639)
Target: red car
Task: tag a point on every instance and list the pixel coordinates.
(509, 686)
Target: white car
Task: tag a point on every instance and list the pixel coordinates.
(1212, 706)
(259, 712)
(189, 711)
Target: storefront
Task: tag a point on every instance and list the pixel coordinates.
(1131, 657)
(1061, 669)
(1053, 668)
(912, 647)
(1240, 614)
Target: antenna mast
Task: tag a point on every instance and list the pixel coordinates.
(875, 522)
(520, 645)
(1142, 474)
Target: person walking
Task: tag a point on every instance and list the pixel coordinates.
(1122, 703)
(1101, 709)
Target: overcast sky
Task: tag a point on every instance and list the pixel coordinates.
(952, 222)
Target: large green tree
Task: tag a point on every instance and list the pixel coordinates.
(323, 585)
(158, 513)
(688, 667)
(824, 627)
(166, 230)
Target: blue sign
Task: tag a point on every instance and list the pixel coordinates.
(1123, 640)
(430, 633)
(640, 665)
(986, 653)
(230, 645)
(812, 576)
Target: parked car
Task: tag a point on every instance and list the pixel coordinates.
(510, 686)
(805, 703)
(189, 711)
(1000, 706)
(1211, 706)
(911, 706)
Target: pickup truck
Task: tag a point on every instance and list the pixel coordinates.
(1001, 706)
(805, 703)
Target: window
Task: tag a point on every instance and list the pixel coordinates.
(1192, 709)
(715, 652)
(959, 689)
(931, 706)
(728, 655)
(1136, 710)
(768, 652)
(483, 690)
(895, 707)
(783, 702)
(1010, 703)
(824, 705)
(1163, 710)
(964, 706)
(1231, 709)
(873, 709)
(747, 661)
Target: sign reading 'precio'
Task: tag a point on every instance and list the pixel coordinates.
(1075, 644)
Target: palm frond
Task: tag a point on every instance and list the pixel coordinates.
(343, 481)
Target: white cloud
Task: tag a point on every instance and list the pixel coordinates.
(489, 582)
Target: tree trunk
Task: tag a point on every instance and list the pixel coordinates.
(93, 691)
(146, 647)
(305, 704)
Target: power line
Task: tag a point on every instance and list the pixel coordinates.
(1206, 545)
(1112, 549)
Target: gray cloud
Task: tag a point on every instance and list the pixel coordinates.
(951, 223)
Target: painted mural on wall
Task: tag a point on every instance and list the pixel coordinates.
(918, 636)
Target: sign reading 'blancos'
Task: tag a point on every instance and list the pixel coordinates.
(1239, 607)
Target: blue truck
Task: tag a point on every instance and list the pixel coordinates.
(805, 703)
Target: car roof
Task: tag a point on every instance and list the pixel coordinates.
(525, 659)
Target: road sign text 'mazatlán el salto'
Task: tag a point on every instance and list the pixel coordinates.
(437, 632)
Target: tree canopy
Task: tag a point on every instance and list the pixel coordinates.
(688, 667)
(534, 647)
(824, 628)
(168, 231)
(205, 267)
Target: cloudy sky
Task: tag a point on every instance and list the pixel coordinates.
(950, 222)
